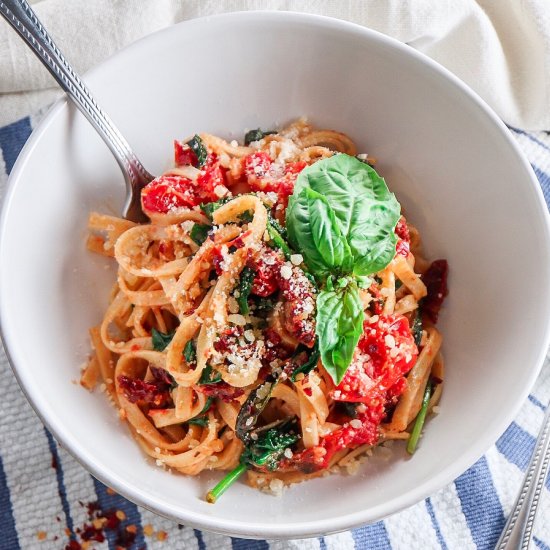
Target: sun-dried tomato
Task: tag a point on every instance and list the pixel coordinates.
(435, 280)
(155, 392)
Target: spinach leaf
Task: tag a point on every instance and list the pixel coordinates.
(366, 211)
(209, 207)
(310, 364)
(339, 325)
(190, 352)
(199, 232)
(315, 232)
(256, 135)
(199, 148)
(209, 376)
(417, 327)
(247, 216)
(161, 339)
(276, 225)
(420, 419)
(270, 446)
(245, 286)
(265, 452)
(201, 419)
(277, 240)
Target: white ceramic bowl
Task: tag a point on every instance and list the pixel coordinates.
(452, 163)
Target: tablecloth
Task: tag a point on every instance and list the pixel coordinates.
(45, 494)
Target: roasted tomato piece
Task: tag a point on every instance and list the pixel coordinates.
(267, 266)
(404, 241)
(167, 193)
(212, 181)
(299, 305)
(435, 280)
(184, 155)
(256, 168)
(386, 352)
(363, 429)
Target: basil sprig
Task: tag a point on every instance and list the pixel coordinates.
(341, 218)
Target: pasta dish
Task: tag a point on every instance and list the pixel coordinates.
(276, 317)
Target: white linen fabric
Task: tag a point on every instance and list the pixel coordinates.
(501, 48)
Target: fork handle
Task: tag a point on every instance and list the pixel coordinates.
(22, 18)
(519, 527)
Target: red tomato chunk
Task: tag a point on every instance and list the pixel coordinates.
(386, 352)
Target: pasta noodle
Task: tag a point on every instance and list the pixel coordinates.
(213, 315)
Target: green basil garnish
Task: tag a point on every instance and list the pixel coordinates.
(366, 210)
(339, 326)
(341, 217)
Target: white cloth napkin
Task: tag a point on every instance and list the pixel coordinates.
(501, 48)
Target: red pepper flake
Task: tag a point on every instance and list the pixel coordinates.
(73, 545)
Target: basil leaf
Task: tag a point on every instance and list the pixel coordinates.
(366, 211)
(199, 148)
(190, 352)
(339, 326)
(314, 231)
(161, 339)
(199, 232)
(245, 286)
(256, 135)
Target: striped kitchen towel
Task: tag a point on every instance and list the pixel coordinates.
(46, 497)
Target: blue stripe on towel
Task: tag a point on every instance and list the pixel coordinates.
(539, 544)
(480, 504)
(322, 543)
(12, 139)
(117, 502)
(373, 537)
(9, 540)
(530, 137)
(544, 180)
(244, 544)
(435, 523)
(60, 482)
(200, 540)
(516, 445)
(537, 403)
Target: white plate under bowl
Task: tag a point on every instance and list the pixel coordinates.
(452, 163)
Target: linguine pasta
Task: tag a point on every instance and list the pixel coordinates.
(211, 346)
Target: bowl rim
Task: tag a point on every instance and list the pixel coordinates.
(304, 528)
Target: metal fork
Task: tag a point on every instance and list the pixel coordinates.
(22, 18)
(519, 527)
